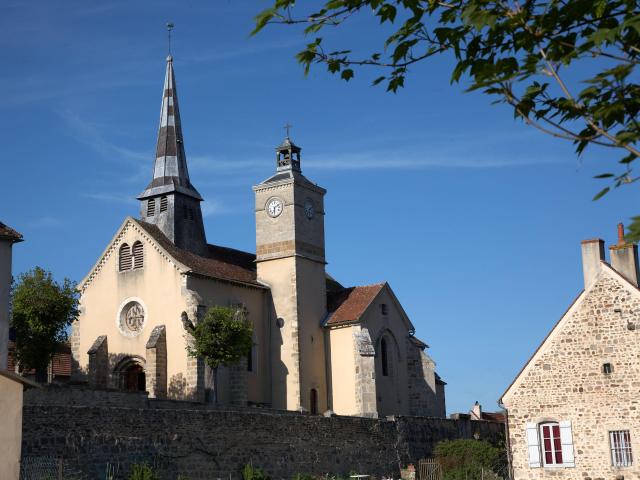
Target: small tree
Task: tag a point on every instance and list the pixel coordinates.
(464, 459)
(222, 337)
(42, 310)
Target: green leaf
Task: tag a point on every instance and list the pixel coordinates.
(347, 74)
(601, 193)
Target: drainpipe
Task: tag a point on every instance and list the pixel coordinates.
(507, 439)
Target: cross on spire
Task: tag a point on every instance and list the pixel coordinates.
(170, 26)
(287, 127)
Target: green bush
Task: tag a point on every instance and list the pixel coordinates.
(303, 476)
(465, 459)
(142, 471)
(249, 472)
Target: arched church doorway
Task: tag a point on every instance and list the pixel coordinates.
(131, 375)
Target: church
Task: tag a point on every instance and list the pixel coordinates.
(317, 345)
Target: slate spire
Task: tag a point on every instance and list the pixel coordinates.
(170, 172)
(170, 201)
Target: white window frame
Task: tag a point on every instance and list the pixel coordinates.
(535, 444)
(621, 451)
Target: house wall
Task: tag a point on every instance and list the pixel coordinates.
(343, 371)
(11, 431)
(565, 382)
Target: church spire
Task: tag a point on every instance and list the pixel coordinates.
(170, 200)
(170, 171)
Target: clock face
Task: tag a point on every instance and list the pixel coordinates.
(309, 211)
(274, 207)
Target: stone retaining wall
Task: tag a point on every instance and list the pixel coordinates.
(205, 443)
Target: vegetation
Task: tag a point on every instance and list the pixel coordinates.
(463, 459)
(142, 471)
(249, 472)
(567, 68)
(222, 337)
(42, 309)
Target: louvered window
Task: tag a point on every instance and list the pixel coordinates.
(124, 258)
(138, 255)
(151, 207)
(163, 204)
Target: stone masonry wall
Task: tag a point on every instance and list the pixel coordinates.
(567, 383)
(206, 443)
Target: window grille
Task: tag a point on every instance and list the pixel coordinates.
(607, 368)
(551, 443)
(124, 260)
(151, 207)
(138, 255)
(163, 204)
(621, 455)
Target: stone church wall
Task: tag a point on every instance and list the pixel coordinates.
(204, 443)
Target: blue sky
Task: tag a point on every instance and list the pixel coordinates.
(473, 218)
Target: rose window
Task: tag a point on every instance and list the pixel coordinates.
(131, 318)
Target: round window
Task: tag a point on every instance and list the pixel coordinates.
(131, 318)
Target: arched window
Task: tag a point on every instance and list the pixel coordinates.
(151, 207)
(138, 255)
(124, 257)
(384, 357)
(313, 401)
(163, 204)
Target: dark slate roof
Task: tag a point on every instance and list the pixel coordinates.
(221, 263)
(348, 304)
(499, 417)
(8, 233)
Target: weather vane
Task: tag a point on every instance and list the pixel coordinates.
(287, 127)
(170, 27)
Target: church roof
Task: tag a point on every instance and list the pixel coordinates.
(170, 172)
(348, 304)
(8, 233)
(221, 263)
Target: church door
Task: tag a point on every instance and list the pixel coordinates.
(134, 379)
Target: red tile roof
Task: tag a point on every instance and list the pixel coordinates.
(6, 232)
(221, 262)
(494, 417)
(348, 304)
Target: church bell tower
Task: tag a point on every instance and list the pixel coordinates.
(291, 260)
(170, 201)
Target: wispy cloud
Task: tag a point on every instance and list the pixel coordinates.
(44, 222)
(88, 134)
(212, 208)
(253, 48)
(111, 197)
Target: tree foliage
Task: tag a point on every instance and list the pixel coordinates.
(518, 51)
(463, 459)
(222, 337)
(42, 310)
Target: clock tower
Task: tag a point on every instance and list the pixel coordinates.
(291, 261)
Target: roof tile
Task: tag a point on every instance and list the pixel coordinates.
(348, 304)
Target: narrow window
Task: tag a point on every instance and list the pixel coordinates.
(621, 455)
(607, 369)
(250, 360)
(384, 309)
(138, 255)
(313, 402)
(163, 204)
(551, 444)
(124, 258)
(384, 357)
(185, 213)
(191, 214)
(151, 207)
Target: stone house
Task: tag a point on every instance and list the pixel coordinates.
(317, 345)
(573, 409)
